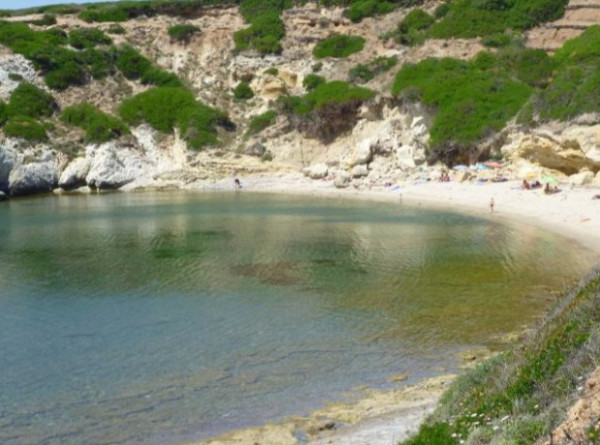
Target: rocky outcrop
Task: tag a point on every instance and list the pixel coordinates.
(75, 174)
(34, 177)
(560, 151)
(13, 67)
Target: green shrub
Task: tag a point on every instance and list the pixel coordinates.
(364, 73)
(115, 28)
(243, 91)
(260, 122)
(411, 29)
(99, 127)
(496, 40)
(131, 63)
(330, 93)
(25, 128)
(368, 8)
(478, 18)
(160, 78)
(88, 38)
(338, 46)
(28, 100)
(5, 13)
(182, 33)
(46, 20)
(166, 108)
(99, 62)
(472, 101)
(3, 113)
(312, 81)
(263, 35)
(272, 71)
(15, 76)
(110, 14)
(67, 74)
(436, 434)
(441, 10)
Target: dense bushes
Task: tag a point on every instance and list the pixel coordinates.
(260, 122)
(25, 128)
(476, 18)
(361, 9)
(166, 108)
(135, 66)
(364, 73)
(327, 111)
(338, 46)
(472, 100)
(575, 85)
(263, 35)
(182, 33)
(29, 100)
(99, 127)
(242, 91)
(411, 29)
(312, 81)
(88, 38)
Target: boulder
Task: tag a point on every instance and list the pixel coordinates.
(2, 196)
(582, 178)
(35, 177)
(256, 149)
(358, 171)
(9, 157)
(112, 167)
(364, 154)
(74, 175)
(318, 171)
(461, 176)
(342, 180)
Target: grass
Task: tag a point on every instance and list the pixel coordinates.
(363, 73)
(259, 122)
(24, 127)
(99, 127)
(531, 385)
(167, 108)
(338, 46)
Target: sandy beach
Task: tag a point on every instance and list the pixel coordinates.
(386, 417)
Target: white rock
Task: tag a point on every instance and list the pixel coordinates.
(74, 175)
(14, 64)
(582, 178)
(112, 166)
(318, 171)
(359, 171)
(35, 177)
(364, 154)
(342, 180)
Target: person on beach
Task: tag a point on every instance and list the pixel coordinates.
(237, 184)
(492, 205)
(525, 185)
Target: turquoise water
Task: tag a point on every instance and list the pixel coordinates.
(160, 318)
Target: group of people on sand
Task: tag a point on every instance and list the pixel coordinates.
(534, 185)
(548, 189)
(444, 177)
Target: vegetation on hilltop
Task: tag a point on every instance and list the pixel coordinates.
(167, 108)
(521, 396)
(338, 46)
(99, 127)
(476, 18)
(328, 110)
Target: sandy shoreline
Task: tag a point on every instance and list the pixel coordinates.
(385, 417)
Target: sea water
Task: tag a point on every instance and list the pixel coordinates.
(168, 317)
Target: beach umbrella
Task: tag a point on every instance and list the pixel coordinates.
(460, 167)
(549, 178)
(492, 164)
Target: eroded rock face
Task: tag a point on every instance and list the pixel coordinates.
(562, 152)
(14, 64)
(74, 175)
(35, 177)
(112, 166)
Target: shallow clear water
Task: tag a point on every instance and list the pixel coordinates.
(159, 318)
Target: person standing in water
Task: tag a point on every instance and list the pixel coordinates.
(237, 184)
(492, 205)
